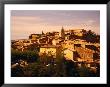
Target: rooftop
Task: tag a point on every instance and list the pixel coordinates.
(50, 46)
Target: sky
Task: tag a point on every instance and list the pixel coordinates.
(26, 22)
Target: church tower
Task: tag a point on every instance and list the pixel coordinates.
(62, 33)
(42, 33)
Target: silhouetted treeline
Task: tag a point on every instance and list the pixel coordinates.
(91, 36)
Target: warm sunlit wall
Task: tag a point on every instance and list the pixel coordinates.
(68, 54)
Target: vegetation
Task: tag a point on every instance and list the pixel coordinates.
(46, 66)
(29, 56)
(90, 36)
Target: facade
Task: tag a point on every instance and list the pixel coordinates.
(85, 54)
(57, 35)
(50, 50)
(69, 54)
(79, 32)
(55, 41)
(34, 36)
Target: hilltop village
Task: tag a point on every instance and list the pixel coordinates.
(76, 45)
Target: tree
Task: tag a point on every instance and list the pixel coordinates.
(33, 47)
(17, 72)
(91, 36)
(29, 56)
